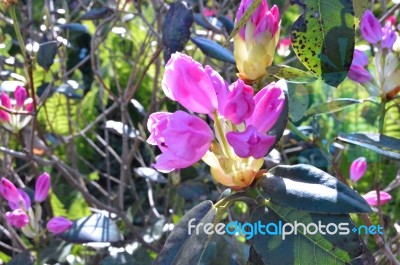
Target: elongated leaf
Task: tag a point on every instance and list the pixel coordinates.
(290, 74)
(323, 38)
(212, 20)
(332, 106)
(94, 228)
(46, 54)
(380, 143)
(228, 24)
(308, 188)
(213, 49)
(75, 27)
(306, 248)
(182, 247)
(246, 15)
(176, 28)
(95, 13)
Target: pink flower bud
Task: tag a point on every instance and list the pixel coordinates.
(182, 138)
(357, 71)
(17, 218)
(239, 104)
(20, 95)
(29, 107)
(270, 102)
(250, 142)
(9, 191)
(358, 168)
(186, 81)
(283, 47)
(58, 225)
(372, 198)
(360, 58)
(5, 100)
(389, 37)
(220, 87)
(370, 28)
(26, 201)
(42, 187)
(4, 116)
(269, 23)
(390, 21)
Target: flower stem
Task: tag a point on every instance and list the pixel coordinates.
(220, 132)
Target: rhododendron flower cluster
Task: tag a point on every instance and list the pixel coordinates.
(242, 120)
(22, 215)
(15, 121)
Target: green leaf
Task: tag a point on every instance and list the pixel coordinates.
(46, 54)
(380, 143)
(176, 28)
(95, 13)
(332, 106)
(323, 38)
(305, 248)
(57, 206)
(308, 188)
(94, 228)
(359, 8)
(291, 74)
(246, 15)
(182, 247)
(213, 49)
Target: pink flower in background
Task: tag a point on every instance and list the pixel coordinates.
(390, 21)
(220, 87)
(239, 103)
(357, 70)
(26, 201)
(20, 95)
(358, 168)
(182, 138)
(372, 198)
(9, 191)
(17, 218)
(5, 100)
(42, 187)
(208, 12)
(283, 47)
(59, 225)
(370, 28)
(187, 82)
(389, 37)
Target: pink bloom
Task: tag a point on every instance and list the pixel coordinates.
(29, 107)
(9, 191)
(182, 138)
(370, 28)
(270, 102)
(4, 116)
(357, 71)
(358, 168)
(5, 100)
(187, 82)
(17, 218)
(26, 201)
(269, 23)
(390, 21)
(20, 95)
(220, 87)
(389, 37)
(360, 58)
(250, 142)
(42, 187)
(372, 198)
(239, 104)
(208, 12)
(283, 47)
(58, 225)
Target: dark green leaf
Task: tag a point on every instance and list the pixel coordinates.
(212, 20)
(323, 38)
(290, 74)
(228, 24)
(213, 49)
(305, 248)
(332, 106)
(75, 27)
(380, 143)
(94, 228)
(24, 258)
(46, 54)
(176, 28)
(95, 13)
(182, 247)
(308, 188)
(299, 100)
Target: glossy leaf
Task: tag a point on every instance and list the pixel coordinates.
(305, 248)
(214, 50)
(176, 28)
(290, 74)
(323, 38)
(308, 188)
(95, 13)
(46, 54)
(380, 143)
(182, 247)
(332, 106)
(75, 27)
(227, 23)
(94, 228)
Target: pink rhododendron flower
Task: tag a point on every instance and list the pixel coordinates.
(58, 225)
(283, 47)
(389, 37)
(26, 201)
(20, 96)
(42, 187)
(17, 218)
(9, 191)
(390, 21)
(370, 28)
(358, 168)
(182, 138)
(239, 103)
(5, 100)
(187, 82)
(357, 70)
(372, 198)
(220, 87)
